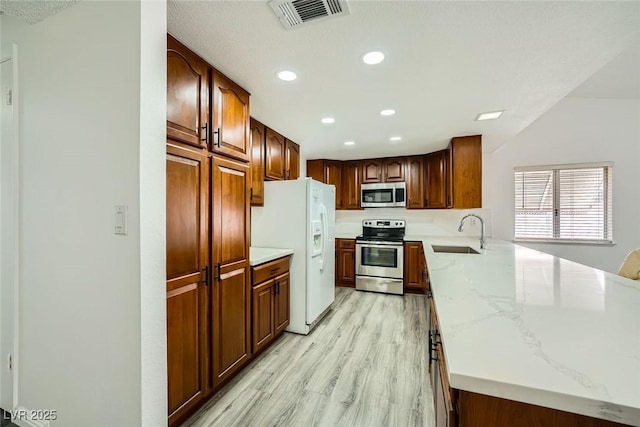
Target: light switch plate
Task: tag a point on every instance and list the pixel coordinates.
(120, 226)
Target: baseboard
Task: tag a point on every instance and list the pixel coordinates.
(22, 419)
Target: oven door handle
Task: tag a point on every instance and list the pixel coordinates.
(381, 245)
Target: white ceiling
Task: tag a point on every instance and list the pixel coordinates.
(31, 11)
(619, 79)
(445, 63)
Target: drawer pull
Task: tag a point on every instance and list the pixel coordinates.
(274, 270)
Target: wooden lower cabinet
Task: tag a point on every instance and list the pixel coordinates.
(345, 263)
(231, 305)
(282, 304)
(270, 302)
(263, 314)
(415, 268)
(187, 279)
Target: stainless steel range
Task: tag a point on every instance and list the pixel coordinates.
(380, 256)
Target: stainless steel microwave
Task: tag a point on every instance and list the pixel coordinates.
(383, 195)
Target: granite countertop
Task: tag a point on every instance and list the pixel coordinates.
(259, 256)
(524, 325)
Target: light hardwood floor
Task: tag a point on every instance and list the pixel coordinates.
(364, 365)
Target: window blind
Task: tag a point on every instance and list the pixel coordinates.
(565, 203)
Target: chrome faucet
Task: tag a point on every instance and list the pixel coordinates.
(483, 242)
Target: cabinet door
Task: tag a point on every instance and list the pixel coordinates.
(282, 309)
(315, 169)
(333, 176)
(187, 95)
(231, 295)
(413, 271)
(393, 170)
(448, 170)
(346, 272)
(230, 133)
(415, 182)
(187, 293)
(436, 179)
(446, 415)
(466, 160)
(274, 155)
(257, 163)
(351, 185)
(292, 160)
(371, 171)
(263, 314)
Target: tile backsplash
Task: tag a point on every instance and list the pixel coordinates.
(423, 222)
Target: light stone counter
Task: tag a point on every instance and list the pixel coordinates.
(259, 256)
(527, 326)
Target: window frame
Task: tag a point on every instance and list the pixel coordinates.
(607, 202)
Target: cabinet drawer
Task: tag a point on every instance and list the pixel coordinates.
(346, 243)
(268, 270)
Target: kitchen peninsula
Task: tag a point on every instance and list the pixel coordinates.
(525, 335)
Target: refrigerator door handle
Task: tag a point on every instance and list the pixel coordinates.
(325, 232)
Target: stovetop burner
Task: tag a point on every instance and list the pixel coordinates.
(382, 230)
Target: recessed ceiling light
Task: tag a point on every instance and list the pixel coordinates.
(489, 116)
(387, 112)
(287, 76)
(395, 138)
(350, 143)
(373, 58)
(328, 120)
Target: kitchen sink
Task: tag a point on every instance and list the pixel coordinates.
(454, 249)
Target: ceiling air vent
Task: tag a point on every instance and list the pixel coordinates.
(293, 14)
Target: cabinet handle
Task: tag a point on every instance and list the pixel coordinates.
(251, 194)
(275, 270)
(218, 278)
(217, 132)
(426, 202)
(206, 134)
(205, 275)
(433, 346)
(277, 288)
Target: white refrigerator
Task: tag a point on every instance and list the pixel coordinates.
(301, 215)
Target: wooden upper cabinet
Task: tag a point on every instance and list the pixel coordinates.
(333, 176)
(187, 279)
(371, 171)
(230, 131)
(187, 95)
(275, 147)
(382, 170)
(393, 170)
(351, 185)
(315, 169)
(436, 179)
(415, 182)
(466, 171)
(292, 160)
(257, 138)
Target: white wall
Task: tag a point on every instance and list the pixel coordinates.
(153, 205)
(576, 130)
(92, 138)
